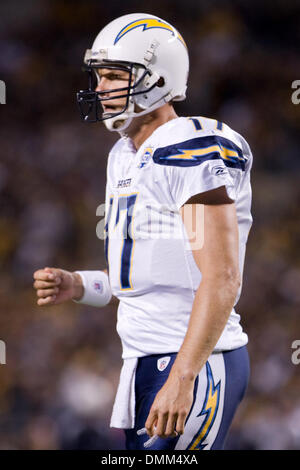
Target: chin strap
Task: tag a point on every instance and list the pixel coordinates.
(121, 123)
(118, 123)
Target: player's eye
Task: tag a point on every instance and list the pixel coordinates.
(116, 76)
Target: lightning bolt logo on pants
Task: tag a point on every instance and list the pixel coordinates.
(209, 410)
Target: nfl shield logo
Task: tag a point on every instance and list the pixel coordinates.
(146, 157)
(163, 362)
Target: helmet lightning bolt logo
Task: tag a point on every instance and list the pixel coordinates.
(148, 23)
(209, 410)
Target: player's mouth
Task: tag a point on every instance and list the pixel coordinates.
(110, 108)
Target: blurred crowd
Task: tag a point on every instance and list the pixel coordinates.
(63, 364)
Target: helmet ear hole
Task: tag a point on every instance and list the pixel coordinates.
(160, 82)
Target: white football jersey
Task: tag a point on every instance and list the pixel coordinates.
(150, 260)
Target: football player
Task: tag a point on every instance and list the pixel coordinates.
(178, 200)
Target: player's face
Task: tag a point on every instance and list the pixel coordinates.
(111, 79)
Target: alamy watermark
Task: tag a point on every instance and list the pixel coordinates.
(295, 358)
(296, 94)
(2, 352)
(134, 221)
(2, 92)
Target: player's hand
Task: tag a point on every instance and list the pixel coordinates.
(54, 286)
(170, 408)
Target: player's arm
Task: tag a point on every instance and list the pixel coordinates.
(214, 300)
(54, 286)
(218, 261)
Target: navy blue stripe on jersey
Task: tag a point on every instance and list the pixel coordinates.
(106, 239)
(126, 255)
(196, 123)
(195, 151)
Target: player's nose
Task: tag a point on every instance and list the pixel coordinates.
(102, 85)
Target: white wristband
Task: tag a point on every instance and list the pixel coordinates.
(97, 291)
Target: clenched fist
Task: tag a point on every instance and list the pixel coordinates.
(54, 286)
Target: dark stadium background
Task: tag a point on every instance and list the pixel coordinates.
(62, 370)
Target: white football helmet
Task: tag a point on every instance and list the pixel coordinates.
(154, 54)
